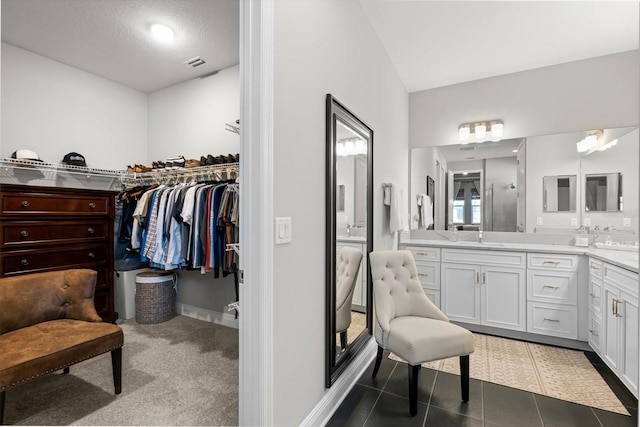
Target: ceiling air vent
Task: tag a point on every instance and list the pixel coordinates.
(194, 62)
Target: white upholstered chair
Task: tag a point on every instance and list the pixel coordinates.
(347, 268)
(409, 325)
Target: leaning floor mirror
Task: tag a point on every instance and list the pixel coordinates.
(349, 222)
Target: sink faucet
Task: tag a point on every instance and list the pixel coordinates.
(609, 228)
(480, 235)
(348, 230)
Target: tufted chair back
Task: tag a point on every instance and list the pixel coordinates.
(397, 292)
(347, 269)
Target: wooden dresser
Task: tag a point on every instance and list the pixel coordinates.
(50, 228)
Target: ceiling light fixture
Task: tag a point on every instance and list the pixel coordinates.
(477, 132)
(594, 141)
(351, 147)
(162, 32)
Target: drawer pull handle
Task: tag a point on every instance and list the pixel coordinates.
(24, 233)
(615, 308)
(477, 278)
(594, 333)
(484, 278)
(422, 253)
(423, 274)
(90, 230)
(25, 204)
(594, 296)
(551, 287)
(551, 262)
(92, 255)
(594, 268)
(92, 205)
(24, 262)
(546, 319)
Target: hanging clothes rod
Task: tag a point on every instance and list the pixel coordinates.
(167, 176)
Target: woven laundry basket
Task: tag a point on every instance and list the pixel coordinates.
(155, 296)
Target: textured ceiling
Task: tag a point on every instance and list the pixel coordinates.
(439, 43)
(111, 38)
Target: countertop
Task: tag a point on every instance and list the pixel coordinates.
(623, 259)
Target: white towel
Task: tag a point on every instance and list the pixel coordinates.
(425, 208)
(398, 216)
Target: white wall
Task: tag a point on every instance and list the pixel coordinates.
(53, 109)
(322, 47)
(189, 119)
(594, 93)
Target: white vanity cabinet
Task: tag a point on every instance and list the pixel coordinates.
(552, 295)
(619, 332)
(428, 265)
(359, 300)
(484, 287)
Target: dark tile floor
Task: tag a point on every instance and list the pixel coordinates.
(383, 401)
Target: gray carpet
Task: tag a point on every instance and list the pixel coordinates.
(180, 372)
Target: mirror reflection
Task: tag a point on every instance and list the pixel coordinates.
(349, 235)
(559, 193)
(603, 192)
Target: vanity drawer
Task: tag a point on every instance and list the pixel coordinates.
(36, 204)
(595, 296)
(484, 257)
(552, 261)
(621, 278)
(434, 296)
(556, 287)
(424, 253)
(32, 261)
(595, 268)
(557, 320)
(595, 329)
(31, 233)
(429, 274)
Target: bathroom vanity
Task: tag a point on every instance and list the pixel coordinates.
(577, 297)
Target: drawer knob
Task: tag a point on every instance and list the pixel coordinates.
(546, 319)
(24, 233)
(24, 262)
(92, 255)
(25, 204)
(92, 205)
(90, 230)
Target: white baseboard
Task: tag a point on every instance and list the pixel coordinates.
(225, 319)
(333, 397)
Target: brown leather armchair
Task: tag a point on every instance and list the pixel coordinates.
(48, 322)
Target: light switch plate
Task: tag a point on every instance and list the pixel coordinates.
(283, 230)
(539, 220)
(574, 222)
(587, 222)
(626, 222)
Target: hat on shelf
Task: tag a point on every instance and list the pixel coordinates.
(74, 159)
(26, 155)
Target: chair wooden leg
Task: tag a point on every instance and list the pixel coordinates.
(378, 361)
(65, 370)
(343, 339)
(464, 377)
(116, 365)
(3, 395)
(414, 370)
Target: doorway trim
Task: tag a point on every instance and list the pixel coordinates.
(256, 213)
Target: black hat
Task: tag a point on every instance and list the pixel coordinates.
(74, 159)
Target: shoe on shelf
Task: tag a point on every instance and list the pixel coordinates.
(178, 162)
(168, 164)
(211, 160)
(203, 161)
(191, 163)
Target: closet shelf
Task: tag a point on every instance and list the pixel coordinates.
(224, 171)
(82, 170)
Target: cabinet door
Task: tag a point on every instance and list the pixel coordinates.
(609, 338)
(460, 297)
(628, 318)
(503, 298)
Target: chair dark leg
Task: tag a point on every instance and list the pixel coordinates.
(65, 370)
(378, 361)
(343, 339)
(116, 365)
(414, 370)
(3, 395)
(464, 377)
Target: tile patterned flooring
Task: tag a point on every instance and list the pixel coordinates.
(383, 401)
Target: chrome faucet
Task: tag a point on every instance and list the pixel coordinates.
(610, 228)
(348, 230)
(480, 235)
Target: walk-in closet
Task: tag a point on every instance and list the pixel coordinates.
(120, 153)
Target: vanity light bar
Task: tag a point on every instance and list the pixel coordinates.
(481, 130)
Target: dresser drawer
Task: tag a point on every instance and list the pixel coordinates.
(595, 268)
(552, 261)
(434, 296)
(595, 296)
(429, 274)
(421, 253)
(484, 257)
(594, 333)
(101, 300)
(31, 233)
(557, 320)
(36, 204)
(31, 261)
(556, 287)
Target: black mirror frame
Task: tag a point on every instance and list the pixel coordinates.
(335, 367)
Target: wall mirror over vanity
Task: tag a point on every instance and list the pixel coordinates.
(349, 222)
